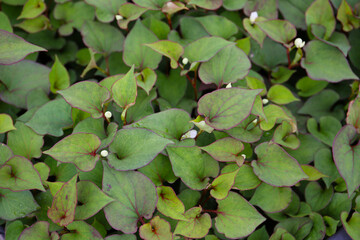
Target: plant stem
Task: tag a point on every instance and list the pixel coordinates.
(210, 211)
(107, 65)
(193, 83)
(168, 17)
(288, 57)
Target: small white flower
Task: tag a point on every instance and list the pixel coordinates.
(229, 85)
(108, 114)
(189, 134)
(265, 101)
(253, 17)
(255, 121)
(119, 17)
(243, 155)
(299, 43)
(104, 153)
(185, 61)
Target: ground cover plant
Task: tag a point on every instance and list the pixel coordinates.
(191, 119)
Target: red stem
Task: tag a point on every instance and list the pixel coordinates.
(193, 83)
(210, 211)
(288, 57)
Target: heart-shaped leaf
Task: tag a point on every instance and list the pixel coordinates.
(207, 4)
(13, 48)
(246, 131)
(353, 114)
(135, 198)
(347, 157)
(236, 217)
(87, 96)
(5, 153)
(309, 87)
(265, 194)
(59, 77)
(325, 164)
(102, 38)
(146, 79)
(32, 9)
(218, 26)
(254, 30)
(280, 94)
(245, 178)
(129, 12)
(325, 62)
(313, 173)
(228, 65)
(169, 49)
(6, 123)
(280, 31)
(283, 136)
(352, 227)
(62, 210)
(92, 200)
(225, 150)
(317, 197)
(196, 225)
(25, 142)
(124, 90)
(18, 174)
(79, 149)
(221, 185)
(37, 231)
(169, 204)
(326, 130)
(193, 167)
(81, 230)
(15, 205)
(156, 229)
(204, 48)
(108, 8)
(136, 53)
(226, 108)
(134, 148)
(275, 167)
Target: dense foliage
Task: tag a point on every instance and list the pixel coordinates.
(189, 119)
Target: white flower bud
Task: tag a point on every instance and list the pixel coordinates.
(108, 114)
(185, 61)
(243, 155)
(229, 85)
(119, 17)
(265, 101)
(255, 121)
(104, 153)
(253, 17)
(299, 43)
(189, 134)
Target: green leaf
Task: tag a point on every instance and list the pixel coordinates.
(322, 105)
(236, 217)
(34, 25)
(228, 65)
(294, 11)
(59, 77)
(246, 131)
(62, 210)
(275, 114)
(37, 231)
(79, 149)
(275, 167)
(326, 19)
(143, 106)
(169, 204)
(157, 228)
(154, 4)
(254, 30)
(129, 12)
(124, 90)
(107, 7)
(135, 197)
(281, 74)
(313, 173)
(51, 118)
(18, 174)
(14, 229)
(283, 136)
(326, 130)
(281, 234)
(32, 9)
(136, 53)
(169, 49)
(171, 124)
(260, 234)
(245, 178)
(308, 87)
(134, 148)
(146, 79)
(204, 48)
(207, 4)
(317, 197)
(280, 31)
(298, 227)
(91, 198)
(353, 114)
(244, 44)
(340, 202)
(14, 48)
(193, 167)
(280, 94)
(331, 225)
(221, 185)
(81, 230)
(20, 78)
(347, 157)
(226, 108)
(5, 153)
(265, 194)
(225, 150)
(352, 227)
(5, 23)
(196, 225)
(346, 17)
(325, 62)
(102, 38)
(232, 5)
(87, 96)
(172, 87)
(218, 26)
(325, 164)
(14, 205)
(6, 123)
(159, 170)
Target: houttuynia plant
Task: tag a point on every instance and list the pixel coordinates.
(185, 119)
